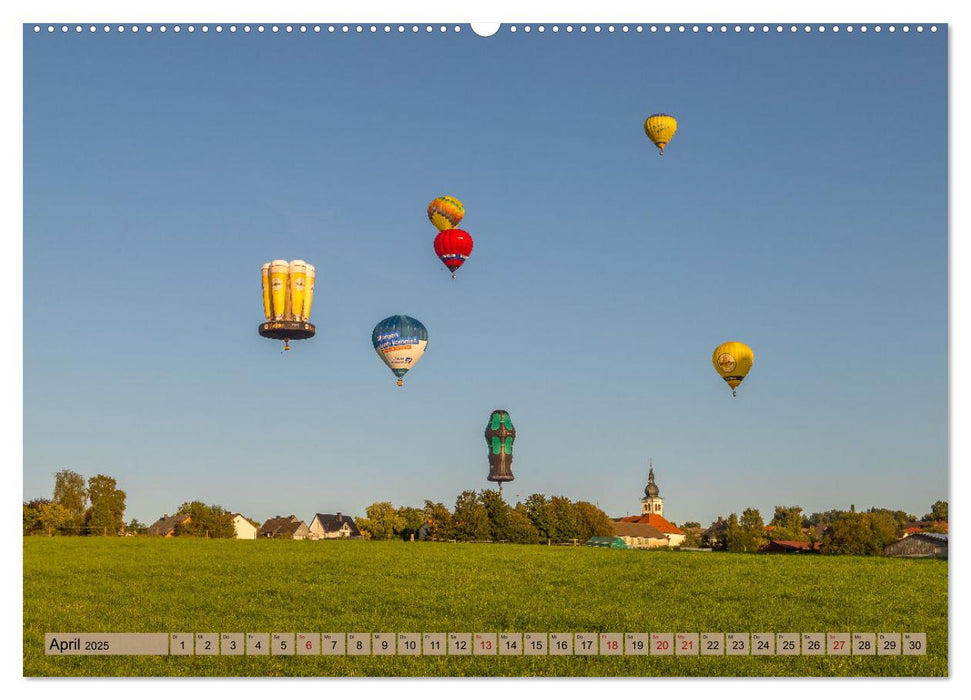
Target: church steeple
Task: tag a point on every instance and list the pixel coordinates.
(652, 501)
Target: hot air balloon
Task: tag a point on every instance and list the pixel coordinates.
(453, 247)
(400, 341)
(500, 435)
(445, 212)
(288, 292)
(660, 128)
(733, 360)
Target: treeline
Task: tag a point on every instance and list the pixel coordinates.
(485, 516)
(829, 532)
(95, 506)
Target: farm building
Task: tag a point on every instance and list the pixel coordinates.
(245, 528)
(640, 535)
(609, 542)
(652, 513)
(922, 544)
(792, 547)
(285, 528)
(165, 526)
(328, 526)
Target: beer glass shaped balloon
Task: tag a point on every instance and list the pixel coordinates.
(400, 341)
(288, 292)
(500, 435)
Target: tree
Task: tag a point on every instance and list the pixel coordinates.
(938, 511)
(71, 494)
(900, 517)
(107, 512)
(497, 513)
(745, 534)
(537, 509)
(521, 530)
(382, 521)
(592, 521)
(564, 517)
(787, 524)
(32, 515)
(884, 528)
(470, 518)
(440, 521)
(411, 521)
(205, 521)
(691, 539)
(136, 527)
(825, 518)
(849, 534)
(688, 525)
(53, 517)
(733, 534)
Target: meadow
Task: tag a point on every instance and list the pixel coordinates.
(75, 584)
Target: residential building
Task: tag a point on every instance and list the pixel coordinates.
(285, 528)
(328, 526)
(165, 526)
(245, 528)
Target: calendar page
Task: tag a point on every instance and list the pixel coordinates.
(534, 348)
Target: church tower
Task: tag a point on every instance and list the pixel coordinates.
(652, 503)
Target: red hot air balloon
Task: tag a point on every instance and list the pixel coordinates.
(453, 246)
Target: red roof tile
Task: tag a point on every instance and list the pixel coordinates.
(655, 520)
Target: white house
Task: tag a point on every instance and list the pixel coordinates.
(327, 526)
(245, 530)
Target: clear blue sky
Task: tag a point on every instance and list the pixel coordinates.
(801, 208)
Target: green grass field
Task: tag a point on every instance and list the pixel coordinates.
(153, 585)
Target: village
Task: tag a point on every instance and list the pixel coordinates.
(650, 530)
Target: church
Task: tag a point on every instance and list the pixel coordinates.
(650, 528)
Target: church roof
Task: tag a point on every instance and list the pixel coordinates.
(662, 524)
(651, 490)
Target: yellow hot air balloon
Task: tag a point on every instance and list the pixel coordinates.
(733, 360)
(660, 128)
(445, 212)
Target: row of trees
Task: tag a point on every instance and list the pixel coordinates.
(486, 516)
(836, 531)
(78, 506)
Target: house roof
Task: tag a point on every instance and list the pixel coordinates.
(795, 545)
(281, 526)
(665, 526)
(936, 537)
(167, 523)
(332, 522)
(622, 529)
(249, 520)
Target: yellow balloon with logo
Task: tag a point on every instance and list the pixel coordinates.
(660, 128)
(733, 360)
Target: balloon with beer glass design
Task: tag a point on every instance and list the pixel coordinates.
(288, 292)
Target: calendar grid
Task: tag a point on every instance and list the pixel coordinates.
(486, 644)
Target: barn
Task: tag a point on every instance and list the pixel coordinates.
(921, 544)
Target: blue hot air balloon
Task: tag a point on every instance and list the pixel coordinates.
(400, 341)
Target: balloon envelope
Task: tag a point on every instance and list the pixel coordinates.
(400, 341)
(499, 436)
(453, 247)
(660, 128)
(732, 361)
(445, 212)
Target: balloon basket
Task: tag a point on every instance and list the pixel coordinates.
(287, 330)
